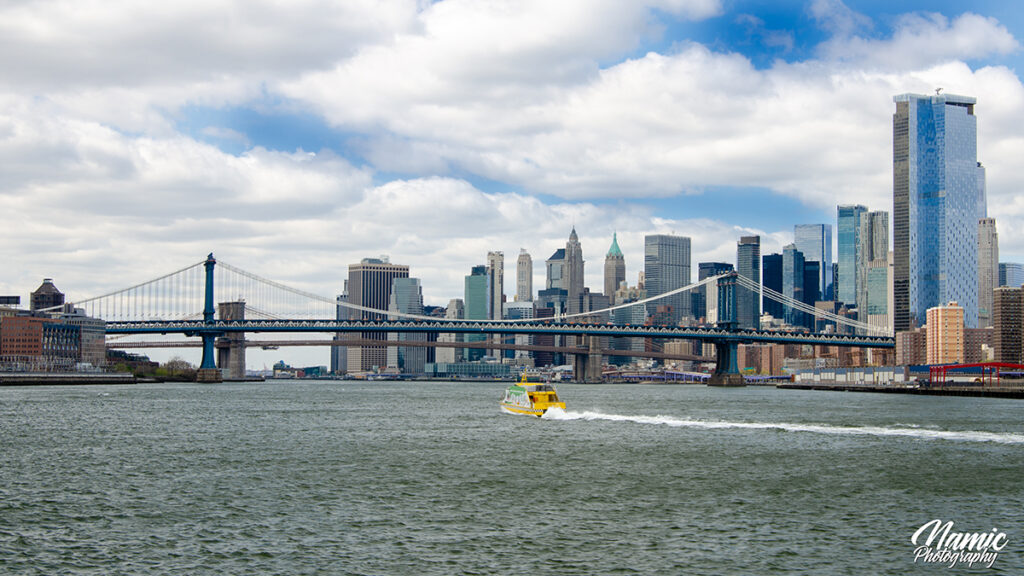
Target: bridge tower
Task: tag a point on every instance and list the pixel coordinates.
(727, 372)
(208, 371)
(231, 346)
(587, 367)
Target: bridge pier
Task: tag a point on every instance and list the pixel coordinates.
(208, 371)
(727, 372)
(231, 351)
(586, 368)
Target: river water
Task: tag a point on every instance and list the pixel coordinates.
(432, 478)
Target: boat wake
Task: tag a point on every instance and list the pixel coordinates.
(908, 432)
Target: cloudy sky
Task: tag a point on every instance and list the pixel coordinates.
(294, 138)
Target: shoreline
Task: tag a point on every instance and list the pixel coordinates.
(969, 391)
(76, 378)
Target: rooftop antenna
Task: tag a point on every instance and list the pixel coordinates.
(937, 90)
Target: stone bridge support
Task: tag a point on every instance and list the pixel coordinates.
(727, 372)
(231, 346)
(587, 367)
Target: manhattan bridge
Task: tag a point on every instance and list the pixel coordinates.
(183, 303)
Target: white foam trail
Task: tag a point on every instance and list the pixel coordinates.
(923, 433)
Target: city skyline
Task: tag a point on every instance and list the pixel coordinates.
(120, 169)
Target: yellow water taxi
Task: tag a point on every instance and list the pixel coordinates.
(531, 398)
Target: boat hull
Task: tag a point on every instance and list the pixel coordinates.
(531, 411)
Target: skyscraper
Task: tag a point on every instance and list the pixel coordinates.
(988, 269)
(815, 241)
(848, 222)
(748, 265)
(574, 272)
(369, 285)
(407, 298)
(614, 268)
(477, 306)
(1008, 320)
(1011, 274)
(938, 198)
(667, 268)
(772, 274)
(496, 282)
(872, 265)
(524, 277)
(793, 283)
(555, 268)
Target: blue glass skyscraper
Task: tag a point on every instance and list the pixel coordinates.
(1011, 274)
(793, 283)
(848, 236)
(938, 198)
(815, 241)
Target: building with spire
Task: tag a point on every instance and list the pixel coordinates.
(574, 273)
(614, 268)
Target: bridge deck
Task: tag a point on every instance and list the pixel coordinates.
(199, 327)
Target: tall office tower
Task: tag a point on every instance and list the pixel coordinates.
(748, 265)
(704, 300)
(1011, 274)
(988, 269)
(524, 277)
(848, 222)
(477, 306)
(406, 298)
(1008, 319)
(667, 268)
(496, 281)
(812, 292)
(945, 334)
(793, 283)
(574, 272)
(614, 268)
(339, 354)
(455, 311)
(772, 269)
(878, 307)
(815, 241)
(555, 267)
(872, 254)
(937, 199)
(369, 285)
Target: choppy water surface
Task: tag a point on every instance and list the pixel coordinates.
(432, 478)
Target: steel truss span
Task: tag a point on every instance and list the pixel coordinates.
(195, 327)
